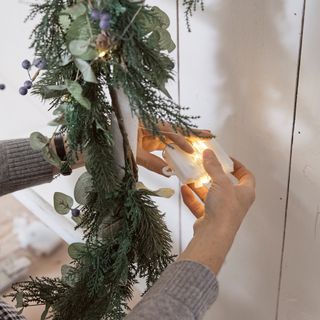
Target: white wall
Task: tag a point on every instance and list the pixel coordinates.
(238, 70)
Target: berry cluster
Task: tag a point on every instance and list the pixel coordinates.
(2, 86)
(103, 18)
(40, 64)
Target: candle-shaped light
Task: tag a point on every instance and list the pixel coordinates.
(189, 167)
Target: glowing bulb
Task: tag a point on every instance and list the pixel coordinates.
(199, 145)
(204, 180)
(103, 53)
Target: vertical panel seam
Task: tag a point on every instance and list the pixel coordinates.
(290, 156)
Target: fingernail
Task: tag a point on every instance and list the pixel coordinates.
(189, 148)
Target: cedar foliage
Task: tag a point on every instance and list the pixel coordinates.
(124, 231)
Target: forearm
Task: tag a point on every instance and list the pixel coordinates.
(210, 245)
(185, 290)
(21, 167)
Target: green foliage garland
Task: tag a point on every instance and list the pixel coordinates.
(124, 232)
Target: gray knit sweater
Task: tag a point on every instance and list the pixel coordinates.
(185, 290)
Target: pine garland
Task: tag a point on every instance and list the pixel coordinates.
(125, 233)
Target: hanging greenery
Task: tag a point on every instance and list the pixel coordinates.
(85, 51)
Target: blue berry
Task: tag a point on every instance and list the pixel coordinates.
(26, 64)
(28, 84)
(104, 24)
(40, 63)
(75, 212)
(105, 16)
(95, 14)
(23, 91)
(2, 86)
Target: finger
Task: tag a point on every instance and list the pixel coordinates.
(176, 137)
(151, 162)
(244, 176)
(201, 192)
(213, 166)
(152, 143)
(190, 200)
(201, 133)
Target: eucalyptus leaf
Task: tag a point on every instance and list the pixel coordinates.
(162, 17)
(38, 141)
(60, 110)
(59, 87)
(19, 299)
(52, 91)
(79, 29)
(51, 156)
(76, 10)
(78, 47)
(162, 192)
(152, 19)
(62, 203)
(75, 250)
(161, 38)
(83, 186)
(57, 121)
(90, 54)
(67, 275)
(76, 90)
(86, 70)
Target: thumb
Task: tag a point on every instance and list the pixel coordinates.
(212, 165)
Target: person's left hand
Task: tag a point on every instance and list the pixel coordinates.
(148, 143)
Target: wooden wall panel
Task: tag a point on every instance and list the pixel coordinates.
(300, 285)
(238, 71)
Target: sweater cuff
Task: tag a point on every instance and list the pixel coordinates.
(191, 283)
(24, 167)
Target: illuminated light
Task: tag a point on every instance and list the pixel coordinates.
(198, 146)
(103, 53)
(204, 180)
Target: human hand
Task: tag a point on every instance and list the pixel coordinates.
(225, 203)
(220, 213)
(148, 143)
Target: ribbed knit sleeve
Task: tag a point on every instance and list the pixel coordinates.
(21, 167)
(185, 291)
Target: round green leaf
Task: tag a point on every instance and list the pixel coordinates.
(76, 250)
(62, 203)
(51, 156)
(75, 90)
(83, 186)
(78, 47)
(76, 10)
(86, 70)
(38, 141)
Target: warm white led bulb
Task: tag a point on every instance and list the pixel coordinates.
(189, 167)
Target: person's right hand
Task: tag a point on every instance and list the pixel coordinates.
(220, 212)
(225, 203)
